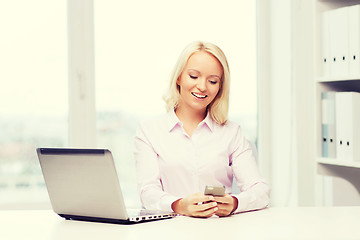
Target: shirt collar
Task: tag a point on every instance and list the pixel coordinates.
(174, 121)
(208, 121)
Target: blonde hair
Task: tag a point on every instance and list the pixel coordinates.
(219, 107)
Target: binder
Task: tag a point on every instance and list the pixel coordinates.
(331, 124)
(324, 125)
(347, 106)
(354, 40)
(325, 40)
(328, 125)
(339, 46)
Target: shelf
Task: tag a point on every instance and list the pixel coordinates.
(336, 162)
(345, 2)
(349, 171)
(344, 85)
(337, 79)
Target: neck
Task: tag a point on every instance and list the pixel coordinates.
(186, 115)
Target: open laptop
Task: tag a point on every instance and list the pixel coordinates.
(83, 185)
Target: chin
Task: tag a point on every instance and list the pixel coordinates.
(200, 108)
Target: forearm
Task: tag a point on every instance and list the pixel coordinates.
(254, 198)
(152, 198)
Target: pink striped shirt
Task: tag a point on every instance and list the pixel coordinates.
(171, 165)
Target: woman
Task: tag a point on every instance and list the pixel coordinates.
(194, 145)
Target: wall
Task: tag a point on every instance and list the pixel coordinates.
(277, 100)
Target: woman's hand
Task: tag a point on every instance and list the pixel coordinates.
(226, 205)
(196, 205)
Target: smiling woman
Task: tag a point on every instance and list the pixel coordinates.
(136, 45)
(209, 151)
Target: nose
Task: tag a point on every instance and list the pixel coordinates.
(201, 84)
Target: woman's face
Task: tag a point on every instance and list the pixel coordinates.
(200, 81)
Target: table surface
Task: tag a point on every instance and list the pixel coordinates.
(272, 223)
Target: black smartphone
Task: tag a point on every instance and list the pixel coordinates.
(218, 191)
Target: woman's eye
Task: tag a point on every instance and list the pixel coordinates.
(193, 77)
(213, 82)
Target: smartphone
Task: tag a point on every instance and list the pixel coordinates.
(218, 191)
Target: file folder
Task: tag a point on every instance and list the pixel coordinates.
(354, 40)
(325, 40)
(328, 125)
(331, 124)
(339, 46)
(324, 126)
(347, 126)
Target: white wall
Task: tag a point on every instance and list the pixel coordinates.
(82, 123)
(277, 139)
(304, 99)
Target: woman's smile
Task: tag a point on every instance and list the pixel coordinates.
(199, 96)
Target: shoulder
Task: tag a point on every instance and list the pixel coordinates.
(228, 126)
(154, 123)
(236, 139)
(152, 131)
(232, 125)
(230, 132)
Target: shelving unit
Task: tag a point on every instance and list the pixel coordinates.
(329, 166)
(336, 162)
(338, 79)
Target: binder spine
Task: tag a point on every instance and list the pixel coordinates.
(324, 125)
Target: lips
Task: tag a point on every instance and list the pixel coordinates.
(198, 95)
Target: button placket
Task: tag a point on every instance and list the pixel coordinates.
(196, 159)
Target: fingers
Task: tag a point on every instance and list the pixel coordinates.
(209, 213)
(204, 210)
(198, 205)
(227, 199)
(222, 213)
(200, 198)
(225, 205)
(205, 206)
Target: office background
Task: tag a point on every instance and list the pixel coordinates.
(83, 73)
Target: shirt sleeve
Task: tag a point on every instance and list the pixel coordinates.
(255, 192)
(150, 188)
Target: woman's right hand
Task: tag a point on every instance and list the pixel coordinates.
(195, 205)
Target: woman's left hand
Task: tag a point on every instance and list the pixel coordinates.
(226, 205)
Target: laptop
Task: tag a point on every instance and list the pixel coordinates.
(83, 185)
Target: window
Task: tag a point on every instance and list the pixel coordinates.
(137, 44)
(33, 95)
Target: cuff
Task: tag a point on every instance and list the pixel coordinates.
(237, 210)
(166, 202)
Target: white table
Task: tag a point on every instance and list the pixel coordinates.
(272, 223)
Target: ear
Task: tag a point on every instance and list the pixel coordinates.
(178, 80)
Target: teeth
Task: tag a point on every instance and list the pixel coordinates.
(199, 96)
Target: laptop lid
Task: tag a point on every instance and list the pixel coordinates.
(82, 182)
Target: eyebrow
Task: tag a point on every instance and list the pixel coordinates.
(200, 72)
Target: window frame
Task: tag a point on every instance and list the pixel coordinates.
(81, 74)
